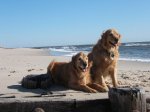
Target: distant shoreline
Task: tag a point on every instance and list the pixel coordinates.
(128, 51)
(132, 51)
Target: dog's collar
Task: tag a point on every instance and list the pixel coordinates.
(110, 54)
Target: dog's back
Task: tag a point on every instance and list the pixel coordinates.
(58, 72)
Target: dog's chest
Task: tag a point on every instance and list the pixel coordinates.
(108, 57)
(78, 79)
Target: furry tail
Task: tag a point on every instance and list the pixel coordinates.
(42, 81)
(39, 81)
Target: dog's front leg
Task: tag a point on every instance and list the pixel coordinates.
(101, 81)
(104, 85)
(114, 77)
(83, 87)
(98, 87)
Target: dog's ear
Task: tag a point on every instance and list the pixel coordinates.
(104, 38)
(103, 35)
(90, 64)
(73, 58)
(73, 61)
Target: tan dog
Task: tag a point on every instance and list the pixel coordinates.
(74, 74)
(104, 56)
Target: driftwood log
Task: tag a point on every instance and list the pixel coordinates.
(127, 99)
(148, 103)
(42, 81)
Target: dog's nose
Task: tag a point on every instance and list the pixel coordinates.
(84, 64)
(116, 40)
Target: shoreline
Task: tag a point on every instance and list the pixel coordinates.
(19, 62)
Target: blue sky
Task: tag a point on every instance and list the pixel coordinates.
(29, 23)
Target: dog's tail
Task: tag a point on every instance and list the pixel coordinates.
(42, 81)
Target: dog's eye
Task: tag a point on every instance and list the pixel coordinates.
(79, 59)
(111, 34)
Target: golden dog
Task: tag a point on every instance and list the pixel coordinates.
(74, 74)
(104, 56)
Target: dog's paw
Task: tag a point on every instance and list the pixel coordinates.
(93, 91)
(106, 89)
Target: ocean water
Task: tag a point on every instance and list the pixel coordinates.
(135, 51)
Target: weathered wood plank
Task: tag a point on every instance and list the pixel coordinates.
(54, 105)
(127, 100)
(102, 105)
(71, 101)
(29, 106)
(148, 107)
(148, 103)
(148, 98)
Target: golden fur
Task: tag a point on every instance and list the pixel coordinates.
(74, 74)
(105, 56)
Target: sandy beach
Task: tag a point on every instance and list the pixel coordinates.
(17, 63)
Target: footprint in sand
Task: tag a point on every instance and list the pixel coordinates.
(13, 71)
(29, 70)
(40, 69)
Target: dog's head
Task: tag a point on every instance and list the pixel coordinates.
(110, 38)
(80, 62)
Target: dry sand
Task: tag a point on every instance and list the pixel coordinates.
(17, 63)
(135, 74)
